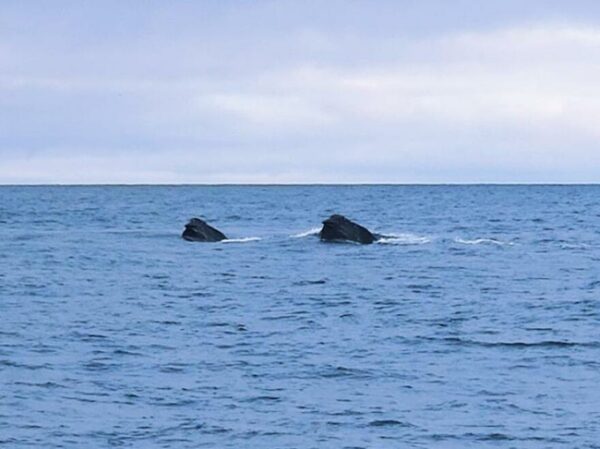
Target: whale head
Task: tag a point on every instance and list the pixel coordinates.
(338, 228)
(197, 230)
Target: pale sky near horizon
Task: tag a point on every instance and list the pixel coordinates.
(424, 91)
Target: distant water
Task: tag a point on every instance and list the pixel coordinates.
(475, 325)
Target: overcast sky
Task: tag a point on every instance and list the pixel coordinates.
(405, 91)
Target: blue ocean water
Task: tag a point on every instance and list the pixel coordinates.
(476, 325)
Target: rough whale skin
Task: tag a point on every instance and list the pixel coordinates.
(338, 228)
(198, 230)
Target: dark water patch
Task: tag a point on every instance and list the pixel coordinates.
(346, 413)
(89, 337)
(593, 285)
(173, 368)
(9, 334)
(490, 437)
(421, 288)
(80, 399)
(161, 347)
(156, 276)
(261, 277)
(50, 385)
(125, 352)
(43, 349)
(218, 324)
(163, 402)
(263, 399)
(287, 317)
(197, 294)
(341, 371)
(5, 363)
(310, 282)
(389, 423)
(103, 364)
(168, 322)
(514, 344)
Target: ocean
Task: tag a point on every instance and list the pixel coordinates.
(474, 324)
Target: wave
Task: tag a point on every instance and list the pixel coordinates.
(313, 231)
(403, 239)
(242, 240)
(482, 241)
(514, 344)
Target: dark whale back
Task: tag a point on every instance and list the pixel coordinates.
(338, 228)
(199, 231)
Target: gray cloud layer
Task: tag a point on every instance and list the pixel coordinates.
(94, 92)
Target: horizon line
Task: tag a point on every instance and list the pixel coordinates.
(299, 184)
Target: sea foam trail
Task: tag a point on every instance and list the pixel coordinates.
(403, 239)
(242, 240)
(482, 241)
(313, 231)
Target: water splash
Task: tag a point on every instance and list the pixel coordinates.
(310, 232)
(242, 240)
(403, 239)
(482, 241)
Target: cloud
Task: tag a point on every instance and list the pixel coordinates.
(539, 41)
(459, 88)
(501, 103)
(270, 110)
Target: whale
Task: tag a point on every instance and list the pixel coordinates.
(338, 228)
(197, 230)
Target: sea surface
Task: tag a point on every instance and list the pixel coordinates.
(475, 324)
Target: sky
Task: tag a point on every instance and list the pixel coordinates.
(404, 91)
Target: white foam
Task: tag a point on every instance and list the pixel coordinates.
(242, 240)
(403, 239)
(482, 241)
(313, 231)
(574, 246)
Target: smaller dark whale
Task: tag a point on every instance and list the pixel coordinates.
(199, 231)
(338, 228)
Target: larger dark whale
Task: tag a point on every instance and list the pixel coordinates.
(199, 231)
(338, 228)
